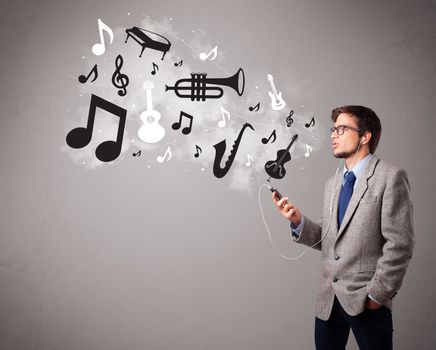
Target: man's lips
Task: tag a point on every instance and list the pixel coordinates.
(334, 145)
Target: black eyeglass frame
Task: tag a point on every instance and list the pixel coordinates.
(340, 129)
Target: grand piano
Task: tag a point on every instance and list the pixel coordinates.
(149, 39)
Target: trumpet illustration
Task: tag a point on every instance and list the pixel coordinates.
(196, 87)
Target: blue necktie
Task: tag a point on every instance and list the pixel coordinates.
(346, 193)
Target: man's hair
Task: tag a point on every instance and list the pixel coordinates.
(367, 120)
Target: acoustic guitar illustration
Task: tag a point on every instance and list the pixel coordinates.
(151, 131)
(275, 168)
(277, 101)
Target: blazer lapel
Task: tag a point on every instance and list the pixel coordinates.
(359, 191)
(337, 183)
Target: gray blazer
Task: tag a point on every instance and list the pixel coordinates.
(370, 252)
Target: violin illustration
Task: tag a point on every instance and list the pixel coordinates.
(275, 168)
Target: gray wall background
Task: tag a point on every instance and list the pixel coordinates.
(136, 258)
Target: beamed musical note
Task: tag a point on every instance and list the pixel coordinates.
(80, 137)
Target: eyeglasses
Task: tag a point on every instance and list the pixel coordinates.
(340, 129)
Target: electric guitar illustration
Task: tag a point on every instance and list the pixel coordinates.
(277, 102)
(151, 131)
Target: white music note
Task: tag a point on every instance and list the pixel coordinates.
(308, 150)
(213, 52)
(250, 159)
(161, 159)
(99, 48)
(224, 113)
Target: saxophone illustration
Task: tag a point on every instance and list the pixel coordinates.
(220, 148)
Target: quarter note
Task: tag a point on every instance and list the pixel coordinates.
(168, 155)
(84, 79)
(80, 137)
(212, 53)
(118, 79)
(311, 123)
(255, 108)
(289, 119)
(155, 68)
(198, 150)
(99, 48)
(224, 113)
(187, 129)
(273, 135)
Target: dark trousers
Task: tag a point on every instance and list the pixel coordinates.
(371, 328)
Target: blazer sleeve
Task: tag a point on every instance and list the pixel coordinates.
(397, 230)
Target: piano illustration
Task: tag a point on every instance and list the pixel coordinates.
(149, 39)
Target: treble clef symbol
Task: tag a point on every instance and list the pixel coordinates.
(120, 80)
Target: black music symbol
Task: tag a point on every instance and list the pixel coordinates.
(178, 64)
(220, 148)
(152, 40)
(198, 151)
(197, 86)
(155, 68)
(137, 154)
(255, 108)
(80, 137)
(311, 123)
(289, 119)
(120, 80)
(187, 129)
(273, 135)
(84, 79)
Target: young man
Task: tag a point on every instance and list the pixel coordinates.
(365, 236)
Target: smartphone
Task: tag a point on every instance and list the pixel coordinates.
(276, 192)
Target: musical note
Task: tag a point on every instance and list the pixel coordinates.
(80, 137)
(224, 113)
(137, 154)
(250, 159)
(308, 150)
(198, 151)
(273, 135)
(187, 129)
(311, 123)
(179, 64)
(161, 159)
(120, 80)
(155, 68)
(213, 52)
(289, 119)
(84, 79)
(99, 48)
(255, 108)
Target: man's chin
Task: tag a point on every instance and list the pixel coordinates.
(341, 155)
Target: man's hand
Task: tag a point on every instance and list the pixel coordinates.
(371, 304)
(287, 209)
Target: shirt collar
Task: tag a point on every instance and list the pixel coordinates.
(359, 167)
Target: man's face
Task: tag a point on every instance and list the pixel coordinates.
(345, 145)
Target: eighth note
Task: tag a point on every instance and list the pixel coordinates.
(161, 159)
(224, 113)
(273, 135)
(198, 151)
(311, 123)
(84, 79)
(155, 68)
(99, 48)
(187, 129)
(250, 159)
(212, 53)
(255, 108)
(137, 154)
(178, 64)
(308, 150)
